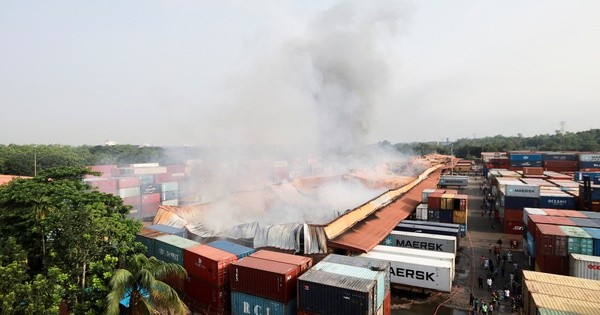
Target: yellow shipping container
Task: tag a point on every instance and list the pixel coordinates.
(459, 217)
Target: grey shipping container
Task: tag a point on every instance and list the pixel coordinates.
(169, 195)
(169, 230)
(169, 186)
(364, 262)
(150, 188)
(320, 292)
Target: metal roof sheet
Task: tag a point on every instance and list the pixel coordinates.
(568, 281)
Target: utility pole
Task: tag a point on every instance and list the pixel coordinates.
(34, 163)
(562, 134)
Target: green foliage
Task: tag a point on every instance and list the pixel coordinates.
(65, 226)
(146, 275)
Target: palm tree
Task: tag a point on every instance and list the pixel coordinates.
(143, 281)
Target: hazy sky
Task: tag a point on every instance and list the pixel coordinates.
(315, 73)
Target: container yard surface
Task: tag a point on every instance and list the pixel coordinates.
(483, 234)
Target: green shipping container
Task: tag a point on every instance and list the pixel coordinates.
(579, 241)
(146, 236)
(169, 248)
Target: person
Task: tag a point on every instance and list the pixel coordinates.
(512, 277)
(515, 266)
(481, 260)
(489, 283)
(506, 293)
(471, 298)
(484, 308)
(502, 271)
(499, 242)
(486, 263)
(490, 250)
(509, 256)
(498, 259)
(480, 282)
(490, 308)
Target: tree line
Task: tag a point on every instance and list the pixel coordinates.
(584, 141)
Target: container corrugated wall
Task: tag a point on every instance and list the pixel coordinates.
(265, 278)
(579, 242)
(169, 248)
(208, 264)
(146, 236)
(363, 262)
(239, 250)
(303, 262)
(326, 293)
(584, 266)
(205, 298)
(595, 234)
(242, 304)
(169, 230)
(424, 241)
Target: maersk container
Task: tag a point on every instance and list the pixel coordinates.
(430, 230)
(358, 272)
(521, 202)
(169, 248)
(448, 180)
(417, 253)
(328, 293)
(242, 304)
(146, 236)
(236, 249)
(265, 278)
(421, 212)
(363, 262)
(301, 261)
(426, 241)
(579, 242)
(583, 223)
(169, 230)
(417, 272)
(522, 190)
(589, 157)
(209, 264)
(584, 266)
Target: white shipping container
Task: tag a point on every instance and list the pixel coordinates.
(529, 211)
(417, 253)
(526, 191)
(174, 202)
(584, 266)
(149, 170)
(454, 180)
(589, 157)
(425, 194)
(129, 192)
(169, 186)
(421, 212)
(425, 241)
(417, 272)
(144, 165)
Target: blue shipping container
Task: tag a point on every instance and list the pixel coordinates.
(236, 249)
(578, 176)
(525, 157)
(518, 203)
(595, 190)
(582, 222)
(595, 234)
(590, 164)
(558, 202)
(526, 163)
(169, 230)
(446, 216)
(530, 245)
(242, 303)
(559, 157)
(591, 214)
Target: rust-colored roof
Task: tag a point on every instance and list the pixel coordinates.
(363, 236)
(5, 179)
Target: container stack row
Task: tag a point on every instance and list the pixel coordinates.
(443, 206)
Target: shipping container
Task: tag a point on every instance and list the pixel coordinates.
(460, 202)
(421, 228)
(171, 230)
(421, 212)
(358, 272)
(301, 261)
(326, 293)
(557, 200)
(561, 166)
(129, 192)
(551, 290)
(525, 191)
(445, 216)
(585, 223)
(521, 202)
(265, 278)
(425, 193)
(574, 214)
(595, 235)
(551, 249)
(559, 156)
(104, 170)
(516, 165)
(208, 264)
(529, 211)
(236, 249)
(150, 199)
(594, 192)
(169, 248)
(433, 215)
(206, 298)
(589, 157)
(583, 165)
(578, 176)
(524, 156)
(417, 253)
(584, 266)
(149, 188)
(449, 180)
(563, 304)
(417, 272)
(169, 186)
(169, 195)
(513, 214)
(535, 219)
(363, 262)
(462, 227)
(533, 171)
(579, 242)
(128, 182)
(529, 244)
(431, 242)
(105, 185)
(514, 227)
(434, 201)
(591, 214)
(146, 236)
(242, 304)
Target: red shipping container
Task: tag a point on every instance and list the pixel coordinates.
(434, 201)
(553, 264)
(562, 221)
(105, 170)
(265, 278)
(513, 227)
(533, 171)
(550, 240)
(208, 264)
(589, 169)
(462, 202)
(513, 214)
(303, 262)
(554, 212)
(128, 182)
(149, 210)
(150, 199)
(573, 214)
(175, 168)
(387, 304)
(108, 186)
(202, 296)
(164, 178)
(132, 201)
(535, 219)
(561, 166)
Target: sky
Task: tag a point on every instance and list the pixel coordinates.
(327, 74)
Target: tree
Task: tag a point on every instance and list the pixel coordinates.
(143, 281)
(62, 223)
